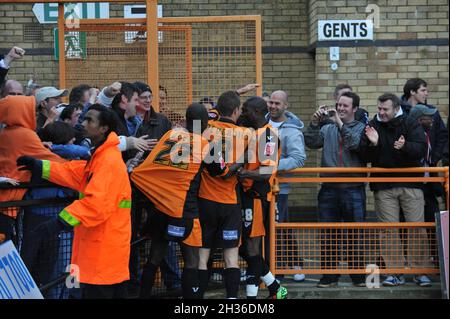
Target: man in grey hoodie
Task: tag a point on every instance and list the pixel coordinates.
(339, 201)
(292, 148)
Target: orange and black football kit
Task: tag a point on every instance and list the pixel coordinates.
(170, 179)
(220, 211)
(256, 195)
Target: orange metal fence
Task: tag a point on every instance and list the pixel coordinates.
(348, 248)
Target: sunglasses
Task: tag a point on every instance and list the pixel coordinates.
(14, 93)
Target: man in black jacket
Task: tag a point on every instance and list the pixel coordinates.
(415, 92)
(425, 115)
(394, 140)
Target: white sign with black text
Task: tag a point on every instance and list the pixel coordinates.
(341, 30)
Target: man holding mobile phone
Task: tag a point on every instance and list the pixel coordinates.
(339, 202)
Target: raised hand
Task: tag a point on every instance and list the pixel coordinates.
(318, 115)
(113, 89)
(247, 88)
(398, 145)
(372, 135)
(14, 54)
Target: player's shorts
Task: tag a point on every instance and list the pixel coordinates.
(221, 224)
(255, 214)
(182, 230)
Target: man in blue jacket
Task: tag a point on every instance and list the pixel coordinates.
(292, 149)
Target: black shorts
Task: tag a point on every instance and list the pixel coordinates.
(160, 225)
(221, 224)
(255, 214)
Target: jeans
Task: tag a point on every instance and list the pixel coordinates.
(337, 204)
(282, 215)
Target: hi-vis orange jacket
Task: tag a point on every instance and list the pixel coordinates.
(101, 217)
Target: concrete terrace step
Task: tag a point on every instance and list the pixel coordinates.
(345, 290)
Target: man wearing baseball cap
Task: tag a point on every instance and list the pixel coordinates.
(47, 98)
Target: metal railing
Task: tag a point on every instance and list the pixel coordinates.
(348, 248)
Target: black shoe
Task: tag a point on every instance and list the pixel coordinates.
(327, 282)
(359, 281)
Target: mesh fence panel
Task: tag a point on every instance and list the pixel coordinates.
(322, 249)
(223, 57)
(196, 59)
(109, 56)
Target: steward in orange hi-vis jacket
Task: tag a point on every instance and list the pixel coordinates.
(170, 179)
(101, 218)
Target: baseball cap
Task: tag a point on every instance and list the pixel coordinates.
(422, 110)
(47, 92)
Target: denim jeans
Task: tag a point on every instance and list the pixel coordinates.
(282, 211)
(338, 204)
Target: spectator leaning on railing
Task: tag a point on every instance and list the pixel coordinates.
(339, 202)
(393, 140)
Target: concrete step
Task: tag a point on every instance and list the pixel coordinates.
(344, 290)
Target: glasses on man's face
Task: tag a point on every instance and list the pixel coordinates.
(14, 93)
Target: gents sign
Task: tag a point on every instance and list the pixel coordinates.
(15, 279)
(345, 30)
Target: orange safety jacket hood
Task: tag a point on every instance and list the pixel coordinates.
(19, 138)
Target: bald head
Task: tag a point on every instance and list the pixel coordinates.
(277, 105)
(280, 95)
(12, 87)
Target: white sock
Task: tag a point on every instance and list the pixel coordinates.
(268, 279)
(252, 290)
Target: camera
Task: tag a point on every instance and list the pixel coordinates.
(329, 113)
